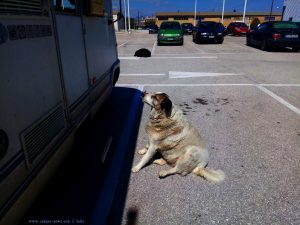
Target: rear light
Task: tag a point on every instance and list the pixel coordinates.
(276, 36)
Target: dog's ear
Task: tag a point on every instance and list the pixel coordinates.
(166, 105)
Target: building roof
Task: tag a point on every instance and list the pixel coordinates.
(217, 14)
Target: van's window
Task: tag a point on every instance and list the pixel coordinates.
(29, 7)
(67, 6)
(289, 25)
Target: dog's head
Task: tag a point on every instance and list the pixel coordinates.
(159, 101)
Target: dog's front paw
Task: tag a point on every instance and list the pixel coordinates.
(163, 173)
(135, 169)
(142, 151)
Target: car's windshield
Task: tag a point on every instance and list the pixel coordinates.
(239, 25)
(207, 25)
(285, 25)
(187, 25)
(170, 26)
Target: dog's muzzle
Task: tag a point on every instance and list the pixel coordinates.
(143, 94)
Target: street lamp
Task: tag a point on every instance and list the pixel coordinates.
(245, 5)
(129, 30)
(223, 11)
(195, 17)
(271, 10)
(125, 19)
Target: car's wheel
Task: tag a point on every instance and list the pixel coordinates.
(248, 41)
(264, 45)
(295, 49)
(220, 41)
(158, 43)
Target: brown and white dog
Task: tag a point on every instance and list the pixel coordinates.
(177, 141)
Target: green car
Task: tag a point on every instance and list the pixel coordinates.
(170, 32)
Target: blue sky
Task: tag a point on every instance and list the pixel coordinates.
(150, 7)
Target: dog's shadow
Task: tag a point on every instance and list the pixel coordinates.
(156, 156)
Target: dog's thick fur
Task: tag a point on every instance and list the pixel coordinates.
(177, 141)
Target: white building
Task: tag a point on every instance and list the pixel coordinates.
(291, 10)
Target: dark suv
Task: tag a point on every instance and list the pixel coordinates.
(208, 31)
(276, 34)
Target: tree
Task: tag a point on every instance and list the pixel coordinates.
(254, 23)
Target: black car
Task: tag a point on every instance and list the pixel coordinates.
(208, 31)
(153, 29)
(187, 28)
(275, 34)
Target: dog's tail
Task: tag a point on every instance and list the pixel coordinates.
(215, 176)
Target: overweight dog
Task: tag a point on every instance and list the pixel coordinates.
(177, 141)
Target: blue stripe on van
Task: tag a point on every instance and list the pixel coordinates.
(105, 199)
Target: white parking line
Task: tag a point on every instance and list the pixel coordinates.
(280, 85)
(130, 58)
(178, 74)
(169, 57)
(123, 44)
(153, 48)
(184, 57)
(208, 85)
(141, 74)
(183, 85)
(279, 99)
(259, 86)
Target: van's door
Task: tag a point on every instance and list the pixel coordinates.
(71, 50)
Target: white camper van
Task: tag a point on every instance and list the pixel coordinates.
(58, 64)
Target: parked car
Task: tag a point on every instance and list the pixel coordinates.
(237, 28)
(187, 28)
(208, 31)
(170, 32)
(275, 34)
(153, 29)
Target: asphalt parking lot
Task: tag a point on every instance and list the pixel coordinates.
(250, 122)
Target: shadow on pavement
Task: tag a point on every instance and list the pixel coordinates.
(75, 193)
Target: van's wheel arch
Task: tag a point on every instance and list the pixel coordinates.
(116, 75)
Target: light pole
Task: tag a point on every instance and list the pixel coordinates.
(129, 29)
(223, 11)
(125, 19)
(245, 5)
(271, 10)
(195, 17)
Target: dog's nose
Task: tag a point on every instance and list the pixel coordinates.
(143, 94)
